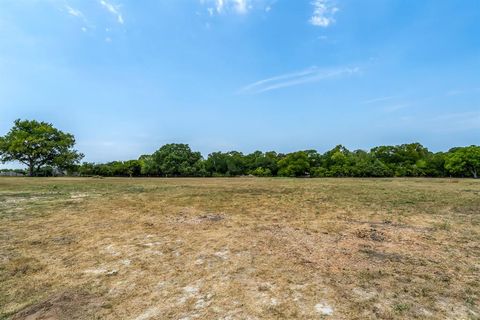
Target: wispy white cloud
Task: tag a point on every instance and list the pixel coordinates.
(78, 14)
(235, 6)
(323, 13)
(238, 6)
(292, 79)
(380, 99)
(74, 12)
(113, 9)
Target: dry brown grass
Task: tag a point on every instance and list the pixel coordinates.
(241, 248)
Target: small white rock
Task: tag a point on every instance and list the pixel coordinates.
(222, 254)
(149, 314)
(200, 304)
(112, 272)
(190, 289)
(324, 309)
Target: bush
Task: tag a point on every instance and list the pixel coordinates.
(262, 172)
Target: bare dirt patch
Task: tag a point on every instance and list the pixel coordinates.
(66, 305)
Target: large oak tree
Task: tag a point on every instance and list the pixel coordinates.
(37, 144)
(464, 161)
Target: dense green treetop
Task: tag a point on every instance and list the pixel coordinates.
(411, 160)
(173, 160)
(38, 144)
(44, 148)
(464, 161)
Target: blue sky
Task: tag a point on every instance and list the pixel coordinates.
(128, 76)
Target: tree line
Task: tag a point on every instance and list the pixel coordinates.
(48, 151)
(406, 160)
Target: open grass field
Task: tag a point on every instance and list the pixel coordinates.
(239, 248)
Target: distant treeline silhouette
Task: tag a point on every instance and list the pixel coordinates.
(406, 160)
(46, 151)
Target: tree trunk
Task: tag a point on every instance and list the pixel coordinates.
(30, 168)
(475, 175)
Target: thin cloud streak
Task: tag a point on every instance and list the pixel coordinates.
(381, 99)
(80, 15)
(113, 10)
(292, 79)
(74, 12)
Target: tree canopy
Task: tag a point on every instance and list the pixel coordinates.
(464, 161)
(173, 160)
(44, 148)
(406, 160)
(38, 144)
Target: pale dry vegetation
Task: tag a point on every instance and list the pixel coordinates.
(239, 248)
